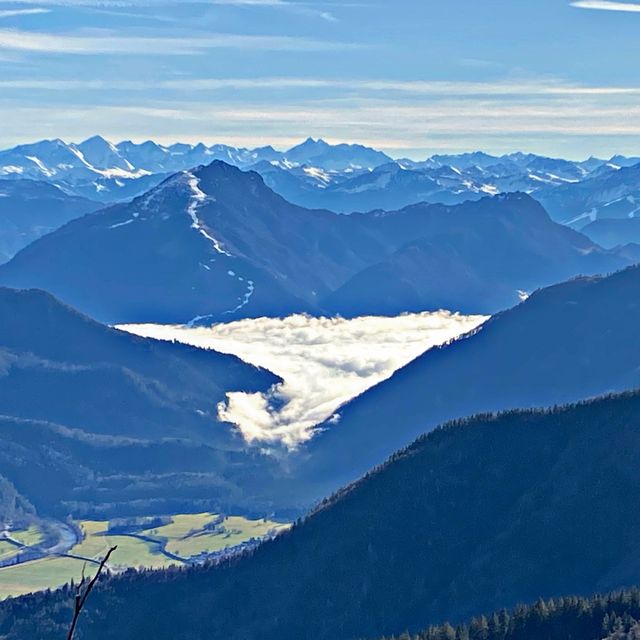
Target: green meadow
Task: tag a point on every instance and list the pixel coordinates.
(185, 535)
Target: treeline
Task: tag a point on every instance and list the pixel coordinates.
(478, 515)
(613, 616)
(99, 424)
(15, 509)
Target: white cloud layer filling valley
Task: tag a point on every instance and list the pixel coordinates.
(324, 362)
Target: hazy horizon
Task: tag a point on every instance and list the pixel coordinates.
(413, 79)
(416, 156)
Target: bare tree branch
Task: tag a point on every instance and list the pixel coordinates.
(81, 597)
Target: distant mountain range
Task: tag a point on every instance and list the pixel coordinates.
(603, 195)
(97, 422)
(98, 169)
(30, 209)
(341, 177)
(478, 515)
(218, 244)
(315, 174)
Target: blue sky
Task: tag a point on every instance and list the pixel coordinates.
(413, 77)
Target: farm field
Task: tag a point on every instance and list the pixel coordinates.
(180, 539)
(7, 550)
(131, 552)
(37, 575)
(28, 537)
(230, 533)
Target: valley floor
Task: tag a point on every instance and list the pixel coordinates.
(45, 555)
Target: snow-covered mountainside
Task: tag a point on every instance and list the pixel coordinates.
(92, 169)
(610, 193)
(313, 174)
(99, 169)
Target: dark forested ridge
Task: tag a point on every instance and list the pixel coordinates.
(94, 419)
(478, 515)
(566, 343)
(614, 616)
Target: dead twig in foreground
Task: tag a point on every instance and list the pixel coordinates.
(81, 597)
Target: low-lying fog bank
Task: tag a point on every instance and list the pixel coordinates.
(324, 362)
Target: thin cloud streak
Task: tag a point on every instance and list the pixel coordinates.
(98, 3)
(126, 4)
(37, 42)
(425, 88)
(606, 5)
(444, 117)
(10, 13)
(418, 87)
(279, 4)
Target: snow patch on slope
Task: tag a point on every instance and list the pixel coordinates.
(121, 224)
(198, 197)
(244, 301)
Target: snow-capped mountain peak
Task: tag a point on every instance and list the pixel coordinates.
(315, 173)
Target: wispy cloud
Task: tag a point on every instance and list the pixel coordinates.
(417, 87)
(606, 5)
(546, 118)
(10, 13)
(16, 40)
(279, 4)
(252, 3)
(353, 85)
(92, 3)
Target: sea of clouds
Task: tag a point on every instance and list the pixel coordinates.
(324, 362)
